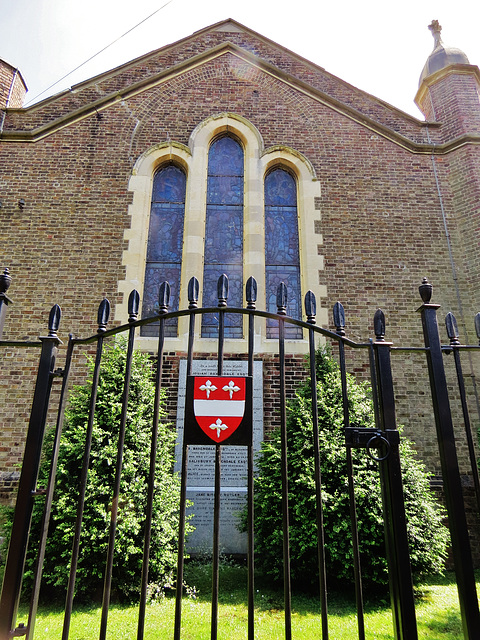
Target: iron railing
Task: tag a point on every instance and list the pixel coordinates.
(381, 442)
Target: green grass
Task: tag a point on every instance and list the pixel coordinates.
(437, 614)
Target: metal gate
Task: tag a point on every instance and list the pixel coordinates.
(381, 442)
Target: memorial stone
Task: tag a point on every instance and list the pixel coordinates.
(201, 467)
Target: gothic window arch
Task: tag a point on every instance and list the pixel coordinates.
(193, 160)
(282, 252)
(165, 243)
(224, 232)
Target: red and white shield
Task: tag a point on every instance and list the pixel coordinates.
(219, 405)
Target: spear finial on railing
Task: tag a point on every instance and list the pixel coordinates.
(425, 290)
(379, 325)
(133, 305)
(192, 292)
(54, 321)
(310, 307)
(222, 290)
(5, 280)
(282, 299)
(452, 328)
(251, 292)
(103, 315)
(477, 326)
(339, 318)
(164, 297)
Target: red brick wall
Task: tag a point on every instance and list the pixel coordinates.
(381, 219)
(453, 100)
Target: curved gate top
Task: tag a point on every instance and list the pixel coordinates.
(219, 413)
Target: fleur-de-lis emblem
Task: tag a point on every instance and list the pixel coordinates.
(231, 387)
(207, 387)
(219, 426)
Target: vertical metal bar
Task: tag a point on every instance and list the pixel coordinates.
(12, 580)
(396, 540)
(222, 303)
(281, 310)
(310, 308)
(49, 494)
(5, 281)
(251, 290)
(453, 334)
(181, 537)
(468, 427)
(373, 382)
(133, 306)
(102, 318)
(193, 303)
(461, 551)
(339, 320)
(164, 299)
(216, 543)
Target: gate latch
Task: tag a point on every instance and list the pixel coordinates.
(368, 438)
(20, 631)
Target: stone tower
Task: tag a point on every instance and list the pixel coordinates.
(449, 96)
(12, 86)
(448, 90)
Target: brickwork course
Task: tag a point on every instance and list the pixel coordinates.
(400, 200)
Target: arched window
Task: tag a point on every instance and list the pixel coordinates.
(165, 240)
(224, 233)
(282, 258)
(241, 227)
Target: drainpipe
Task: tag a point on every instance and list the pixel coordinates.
(454, 273)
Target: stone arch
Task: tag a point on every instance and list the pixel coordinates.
(140, 185)
(193, 159)
(308, 197)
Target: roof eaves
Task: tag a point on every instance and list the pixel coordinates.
(106, 101)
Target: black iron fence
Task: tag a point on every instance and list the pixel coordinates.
(381, 442)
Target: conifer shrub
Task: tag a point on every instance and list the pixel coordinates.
(426, 532)
(101, 475)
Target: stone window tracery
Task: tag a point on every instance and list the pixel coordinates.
(269, 186)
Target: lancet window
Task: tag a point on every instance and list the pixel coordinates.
(282, 257)
(165, 240)
(224, 233)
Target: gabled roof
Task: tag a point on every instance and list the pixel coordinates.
(226, 37)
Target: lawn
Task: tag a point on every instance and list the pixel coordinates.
(437, 614)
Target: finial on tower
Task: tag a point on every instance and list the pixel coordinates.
(436, 30)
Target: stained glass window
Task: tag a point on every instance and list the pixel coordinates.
(164, 249)
(282, 258)
(224, 233)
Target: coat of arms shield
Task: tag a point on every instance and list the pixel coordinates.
(218, 410)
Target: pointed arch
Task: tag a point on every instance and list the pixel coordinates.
(258, 163)
(224, 232)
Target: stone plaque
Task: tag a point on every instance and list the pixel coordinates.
(201, 466)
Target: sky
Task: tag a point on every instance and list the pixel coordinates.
(377, 46)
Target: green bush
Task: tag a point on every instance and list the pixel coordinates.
(133, 491)
(427, 535)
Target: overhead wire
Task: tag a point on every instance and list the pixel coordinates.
(98, 53)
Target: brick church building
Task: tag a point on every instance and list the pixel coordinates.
(225, 151)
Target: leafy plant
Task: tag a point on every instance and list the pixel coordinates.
(427, 535)
(133, 490)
